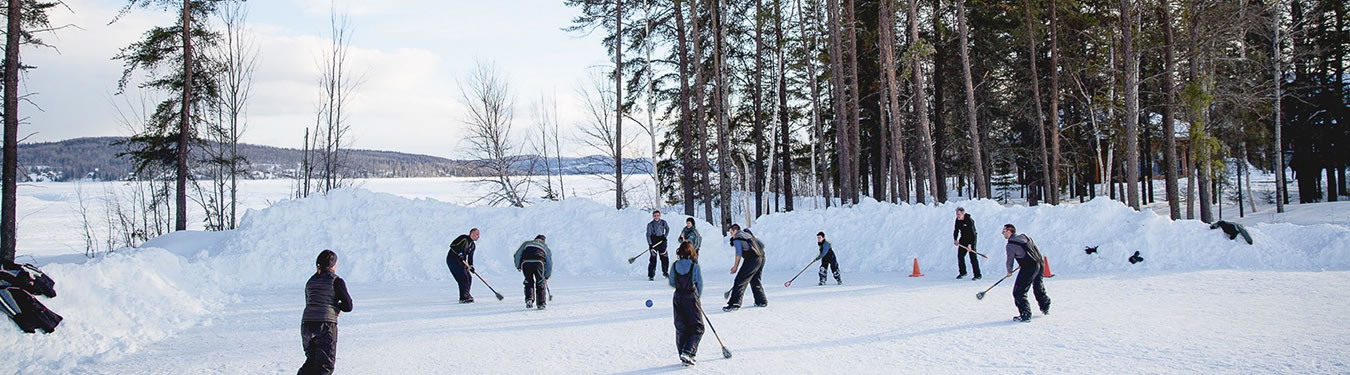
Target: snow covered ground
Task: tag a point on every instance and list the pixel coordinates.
(229, 302)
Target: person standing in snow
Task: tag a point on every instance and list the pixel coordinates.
(690, 234)
(963, 236)
(535, 261)
(325, 298)
(687, 280)
(827, 259)
(656, 245)
(460, 260)
(1023, 250)
(751, 250)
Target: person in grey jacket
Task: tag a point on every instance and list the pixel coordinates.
(325, 298)
(751, 250)
(656, 245)
(690, 234)
(535, 261)
(827, 259)
(1023, 250)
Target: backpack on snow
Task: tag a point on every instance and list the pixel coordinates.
(26, 312)
(29, 278)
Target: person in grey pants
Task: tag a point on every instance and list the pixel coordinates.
(325, 298)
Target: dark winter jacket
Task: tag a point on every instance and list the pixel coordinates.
(824, 249)
(535, 251)
(462, 248)
(686, 266)
(747, 246)
(965, 231)
(690, 234)
(1021, 247)
(656, 231)
(325, 295)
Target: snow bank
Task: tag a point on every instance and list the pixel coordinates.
(383, 237)
(112, 306)
(883, 237)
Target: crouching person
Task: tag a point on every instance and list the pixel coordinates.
(688, 282)
(325, 298)
(535, 261)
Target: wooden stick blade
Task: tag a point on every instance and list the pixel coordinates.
(726, 353)
(979, 296)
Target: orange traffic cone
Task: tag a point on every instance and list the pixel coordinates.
(916, 269)
(1045, 270)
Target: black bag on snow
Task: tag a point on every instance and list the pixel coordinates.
(29, 278)
(29, 314)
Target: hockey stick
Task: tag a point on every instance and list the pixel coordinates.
(725, 353)
(799, 273)
(549, 291)
(980, 295)
(480, 278)
(649, 250)
(976, 252)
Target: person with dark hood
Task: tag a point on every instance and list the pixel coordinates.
(687, 280)
(690, 234)
(326, 297)
(751, 250)
(963, 236)
(460, 261)
(657, 230)
(827, 259)
(1023, 250)
(535, 261)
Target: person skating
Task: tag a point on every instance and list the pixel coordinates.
(535, 261)
(687, 280)
(690, 234)
(964, 235)
(751, 250)
(1023, 250)
(325, 298)
(460, 261)
(827, 259)
(656, 245)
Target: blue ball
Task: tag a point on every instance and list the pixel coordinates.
(649, 303)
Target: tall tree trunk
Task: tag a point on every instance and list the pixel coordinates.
(786, 148)
(1200, 156)
(920, 106)
(1036, 97)
(1052, 187)
(8, 228)
(1169, 117)
(686, 135)
(819, 142)
(897, 128)
(618, 105)
(723, 158)
(841, 112)
(701, 113)
(981, 186)
(758, 131)
(939, 104)
(1131, 142)
(854, 111)
(185, 122)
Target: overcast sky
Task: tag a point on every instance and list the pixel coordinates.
(411, 53)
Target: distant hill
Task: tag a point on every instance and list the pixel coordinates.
(97, 158)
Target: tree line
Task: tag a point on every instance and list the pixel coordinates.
(909, 100)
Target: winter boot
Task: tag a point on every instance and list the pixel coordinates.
(687, 360)
(730, 308)
(1022, 318)
(529, 304)
(466, 300)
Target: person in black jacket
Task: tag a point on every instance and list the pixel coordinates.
(687, 280)
(325, 298)
(1023, 250)
(963, 236)
(460, 261)
(535, 261)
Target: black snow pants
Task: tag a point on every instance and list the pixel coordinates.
(831, 263)
(320, 342)
(751, 268)
(462, 277)
(534, 282)
(961, 260)
(688, 323)
(658, 250)
(1029, 278)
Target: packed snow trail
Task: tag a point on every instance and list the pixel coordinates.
(1196, 322)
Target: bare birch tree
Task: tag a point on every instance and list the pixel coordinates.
(490, 106)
